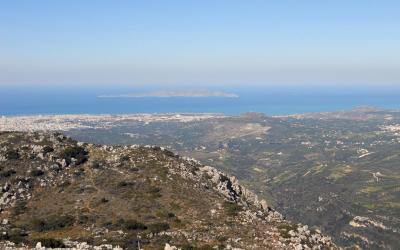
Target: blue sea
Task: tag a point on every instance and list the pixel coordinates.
(29, 100)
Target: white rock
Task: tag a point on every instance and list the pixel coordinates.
(169, 247)
(39, 246)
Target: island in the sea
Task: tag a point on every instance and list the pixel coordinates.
(184, 93)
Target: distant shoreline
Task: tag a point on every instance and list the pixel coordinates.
(204, 113)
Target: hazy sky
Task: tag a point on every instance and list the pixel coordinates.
(200, 42)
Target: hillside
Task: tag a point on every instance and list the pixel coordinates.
(338, 171)
(66, 194)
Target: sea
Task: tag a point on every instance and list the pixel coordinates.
(270, 100)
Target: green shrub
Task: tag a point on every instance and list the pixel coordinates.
(76, 152)
(16, 235)
(19, 208)
(79, 172)
(7, 173)
(38, 225)
(223, 178)
(188, 247)
(285, 228)
(12, 154)
(205, 247)
(123, 184)
(222, 238)
(108, 224)
(64, 184)
(158, 227)
(37, 172)
(155, 192)
(83, 219)
(165, 214)
(50, 242)
(132, 225)
(169, 153)
(231, 208)
(47, 149)
(95, 164)
(125, 158)
(51, 223)
(72, 151)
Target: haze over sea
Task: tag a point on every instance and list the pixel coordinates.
(272, 100)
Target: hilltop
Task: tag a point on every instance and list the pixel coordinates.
(57, 192)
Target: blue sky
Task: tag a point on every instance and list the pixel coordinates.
(225, 42)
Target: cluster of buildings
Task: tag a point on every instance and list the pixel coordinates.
(69, 122)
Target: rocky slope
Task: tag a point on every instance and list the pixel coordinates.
(57, 192)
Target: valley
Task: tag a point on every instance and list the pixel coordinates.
(335, 171)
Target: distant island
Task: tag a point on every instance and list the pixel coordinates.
(189, 93)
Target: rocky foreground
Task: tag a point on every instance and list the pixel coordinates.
(58, 193)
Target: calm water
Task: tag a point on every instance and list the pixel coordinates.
(272, 101)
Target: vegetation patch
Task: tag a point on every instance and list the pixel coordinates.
(283, 177)
(158, 227)
(47, 149)
(369, 206)
(231, 208)
(16, 235)
(132, 225)
(340, 172)
(7, 173)
(51, 223)
(75, 152)
(37, 172)
(50, 242)
(284, 230)
(19, 208)
(155, 192)
(125, 184)
(12, 154)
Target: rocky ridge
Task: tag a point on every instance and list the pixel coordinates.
(57, 192)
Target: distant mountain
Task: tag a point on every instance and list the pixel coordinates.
(57, 192)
